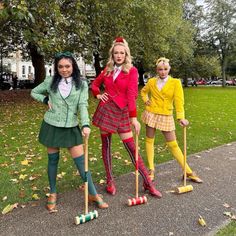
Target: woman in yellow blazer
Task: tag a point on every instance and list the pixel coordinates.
(159, 95)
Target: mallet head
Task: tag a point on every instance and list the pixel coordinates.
(137, 201)
(83, 218)
(184, 189)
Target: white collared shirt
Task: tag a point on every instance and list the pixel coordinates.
(161, 83)
(65, 86)
(117, 70)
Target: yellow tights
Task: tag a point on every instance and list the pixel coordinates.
(150, 152)
(177, 153)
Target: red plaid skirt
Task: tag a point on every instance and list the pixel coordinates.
(110, 118)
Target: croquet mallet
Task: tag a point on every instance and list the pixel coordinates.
(137, 200)
(87, 216)
(185, 188)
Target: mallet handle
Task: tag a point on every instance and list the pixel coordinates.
(136, 165)
(185, 154)
(86, 174)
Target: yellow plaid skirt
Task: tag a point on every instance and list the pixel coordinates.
(157, 121)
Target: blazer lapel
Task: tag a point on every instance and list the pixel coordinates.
(157, 91)
(167, 85)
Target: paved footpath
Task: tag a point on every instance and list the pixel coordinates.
(171, 215)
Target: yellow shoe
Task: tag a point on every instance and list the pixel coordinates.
(151, 174)
(98, 200)
(193, 177)
(51, 203)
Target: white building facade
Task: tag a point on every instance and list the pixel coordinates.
(25, 70)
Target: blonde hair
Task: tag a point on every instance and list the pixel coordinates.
(128, 59)
(162, 61)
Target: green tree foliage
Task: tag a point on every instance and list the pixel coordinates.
(88, 27)
(159, 29)
(104, 20)
(43, 27)
(220, 30)
(206, 67)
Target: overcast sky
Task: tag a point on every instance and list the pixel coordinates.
(200, 2)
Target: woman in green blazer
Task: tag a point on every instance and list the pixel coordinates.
(66, 95)
(159, 95)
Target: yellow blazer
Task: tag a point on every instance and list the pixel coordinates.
(162, 100)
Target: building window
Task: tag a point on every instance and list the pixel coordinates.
(29, 69)
(23, 70)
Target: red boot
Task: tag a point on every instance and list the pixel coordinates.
(152, 190)
(107, 160)
(111, 188)
(147, 182)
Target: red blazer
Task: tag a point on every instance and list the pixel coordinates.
(123, 91)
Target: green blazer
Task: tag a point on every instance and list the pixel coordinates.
(64, 112)
(162, 100)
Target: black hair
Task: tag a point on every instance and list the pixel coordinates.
(76, 75)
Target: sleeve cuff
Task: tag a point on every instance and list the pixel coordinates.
(45, 100)
(180, 115)
(133, 113)
(95, 93)
(85, 126)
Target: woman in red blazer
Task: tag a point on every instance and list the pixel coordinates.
(116, 111)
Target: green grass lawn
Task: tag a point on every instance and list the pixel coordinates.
(211, 112)
(229, 230)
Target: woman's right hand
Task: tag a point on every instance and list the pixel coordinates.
(136, 125)
(148, 103)
(85, 132)
(103, 97)
(183, 122)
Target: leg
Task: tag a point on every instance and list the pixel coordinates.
(107, 161)
(150, 138)
(128, 141)
(53, 159)
(77, 154)
(177, 153)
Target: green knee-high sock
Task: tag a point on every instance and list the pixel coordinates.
(79, 162)
(53, 159)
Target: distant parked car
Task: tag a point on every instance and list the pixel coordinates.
(192, 82)
(209, 82)
(231, 82)
(25, 83)
(5, 85)
(5, 81)
(201, 82)
(216, 82)
(147, 76)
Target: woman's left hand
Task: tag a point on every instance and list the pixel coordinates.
(183, 122)
(136, 125)
(86, 131)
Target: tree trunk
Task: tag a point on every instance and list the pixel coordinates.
(38, 64)
(185, 82)
(141, 72)
(224, 63)
(97, 64)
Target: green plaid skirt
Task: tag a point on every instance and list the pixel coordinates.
(52, 136)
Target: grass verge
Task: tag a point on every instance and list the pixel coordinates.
(23, 161)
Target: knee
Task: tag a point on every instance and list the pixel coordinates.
(150, 140)
(172, 144)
